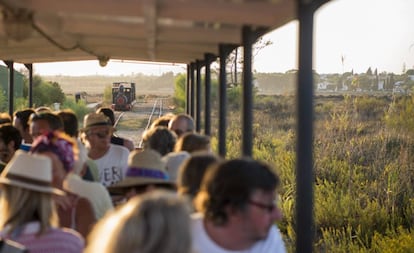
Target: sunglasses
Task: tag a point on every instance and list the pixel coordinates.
(267, 207)
(100, 135)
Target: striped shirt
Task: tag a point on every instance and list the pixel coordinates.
(55, 240)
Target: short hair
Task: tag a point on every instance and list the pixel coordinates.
(183, 117)
(231, 184)
(160, 139)
(54, 121)
(19, 206)
(9, 133)
(24, 116)
(192, 142)
(70, 122)
(108, 113)
(43, 109)
(192, 171)
(158, 221)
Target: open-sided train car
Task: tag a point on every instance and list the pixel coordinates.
(188, 32)
(123, 96)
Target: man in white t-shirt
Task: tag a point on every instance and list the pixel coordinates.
(111, 160)
(238, 210)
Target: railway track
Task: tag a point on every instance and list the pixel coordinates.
(132, 124)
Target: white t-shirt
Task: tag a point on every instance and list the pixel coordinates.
(203, 244)
(113, 165)
(95, 192)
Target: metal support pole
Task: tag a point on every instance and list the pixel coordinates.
(10, 65)
(29, 66)
(304, 159)
(208, 58)
(199, 65)
(247, 103)
(187, 90)
(192, 87)
(249, 36)
(224, 51)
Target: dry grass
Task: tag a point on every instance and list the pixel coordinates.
(95, 85)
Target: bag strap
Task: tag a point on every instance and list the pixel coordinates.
(8, 246)
(73, 213)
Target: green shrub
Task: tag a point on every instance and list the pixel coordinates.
(79, 108)
(180, 92)
(46, 93)
(364, 199)
(395, 241)
(370, 107)
(107, 96)
(4, 101)
(399, 116)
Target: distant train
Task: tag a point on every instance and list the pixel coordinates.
(123, 96)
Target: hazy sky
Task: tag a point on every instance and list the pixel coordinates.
(367, 33)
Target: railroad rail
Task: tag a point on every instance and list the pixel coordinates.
(157, 110)
(144, 113)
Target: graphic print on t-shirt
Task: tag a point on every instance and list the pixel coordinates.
(110, 176)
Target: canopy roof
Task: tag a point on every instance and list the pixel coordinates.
(178, 31)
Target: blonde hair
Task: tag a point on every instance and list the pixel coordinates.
(19, 206)
(155, 222)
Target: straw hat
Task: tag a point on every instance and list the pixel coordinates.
(32, 172)
(144, 168)
(95, 119)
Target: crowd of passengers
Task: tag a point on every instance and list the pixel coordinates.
(70, 189)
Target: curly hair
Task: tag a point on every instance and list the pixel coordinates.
(160, 139)
(231, 184)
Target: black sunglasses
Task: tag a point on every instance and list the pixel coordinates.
(100, 135)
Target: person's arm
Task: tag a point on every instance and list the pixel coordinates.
(129, 144)
(85, 217)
